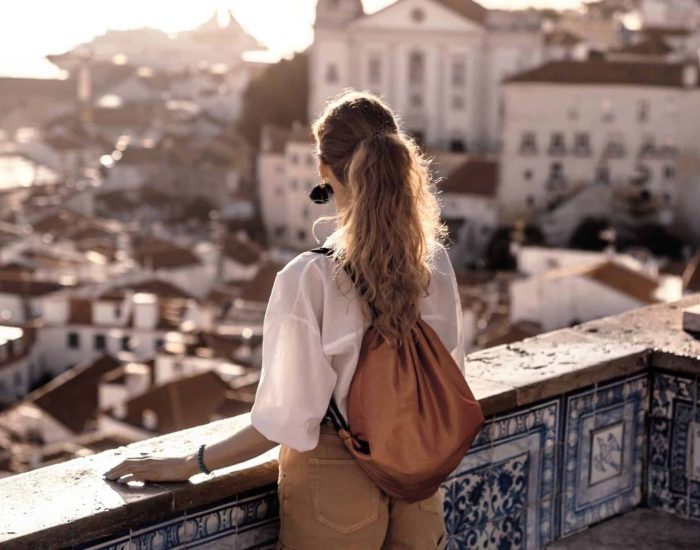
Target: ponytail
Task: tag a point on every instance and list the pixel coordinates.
(387, 231)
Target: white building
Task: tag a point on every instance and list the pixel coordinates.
(627, 125)
(15, 363)
(287, 172)
(573, 294)
(683, 14)
(439, 63)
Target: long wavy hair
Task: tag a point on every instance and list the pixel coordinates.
(386, 234)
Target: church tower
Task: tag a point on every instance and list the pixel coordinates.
(337, 13)
(329, 61)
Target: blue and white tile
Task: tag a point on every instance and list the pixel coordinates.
(604, 442)
(501, 495)
(674, 446)
(246, 523)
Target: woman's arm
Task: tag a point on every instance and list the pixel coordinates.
(243, 445)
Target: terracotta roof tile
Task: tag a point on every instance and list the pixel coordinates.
(16, 283)
(181, 404)
(243, 251)
(600, 71)
(72, 397)
(260, 287)
(466, 8)
(474, 177)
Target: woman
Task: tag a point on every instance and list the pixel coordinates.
(388, 229)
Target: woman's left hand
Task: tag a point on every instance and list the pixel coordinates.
(151, 468)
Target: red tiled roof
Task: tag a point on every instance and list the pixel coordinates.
(72, 397)
(243, 251)
(614, 275)
(600, 71)
(181, 404)
(162, 254)
(15, 283)
(474, 177)
(561, 37)
(160, 288)
(260, 287)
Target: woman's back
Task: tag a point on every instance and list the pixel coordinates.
(311, 342)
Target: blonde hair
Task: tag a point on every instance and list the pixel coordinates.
(387, 232)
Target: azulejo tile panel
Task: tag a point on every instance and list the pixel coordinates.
(603, 452)
(241, 523)
(674, 446)
(502, 493)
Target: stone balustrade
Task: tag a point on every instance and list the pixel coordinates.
(582, 424)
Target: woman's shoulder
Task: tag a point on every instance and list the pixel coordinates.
(305, 265)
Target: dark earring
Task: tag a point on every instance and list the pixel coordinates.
(321, 193)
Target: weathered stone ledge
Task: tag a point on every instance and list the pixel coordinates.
(69, 503)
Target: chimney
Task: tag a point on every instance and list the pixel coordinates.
(145, 310)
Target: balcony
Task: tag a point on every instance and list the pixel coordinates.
(583, 424)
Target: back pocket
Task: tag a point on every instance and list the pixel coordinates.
(344, 498)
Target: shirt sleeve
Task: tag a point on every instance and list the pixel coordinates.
(296, 380)
(457, 323)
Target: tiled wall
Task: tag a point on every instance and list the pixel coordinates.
(550, 470)
(674, 445)
(532, 476)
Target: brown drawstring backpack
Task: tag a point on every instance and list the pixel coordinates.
(411, 414)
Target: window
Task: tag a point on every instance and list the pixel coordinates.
(556, 177)
(301, 234)
(309, 160)
(418, 15)
(73, 340)
(125, 343)
(294, 158)
(572, 113)
(158, 343)
(305, 212)
(331, 73)
(608, 113)
(99, 342)
(582, 144)
(416, 67)
(615, 147)
(458, 102)
(643, 110)
(457, 146)
(19, 381)
(642, 175)
(669, 172)
(556, 144)
(648, 147)
(374, 70)
(530, 201)
(416, 100)
(459, 72)
(602, 175)
(528, 144)
(527, 175)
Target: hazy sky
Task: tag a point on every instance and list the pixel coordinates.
(30, 29)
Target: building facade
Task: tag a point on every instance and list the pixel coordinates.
(439, 63)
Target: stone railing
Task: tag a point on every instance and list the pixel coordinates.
(582, 424)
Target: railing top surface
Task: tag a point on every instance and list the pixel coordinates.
(71, 502)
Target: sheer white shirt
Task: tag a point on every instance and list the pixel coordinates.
(311, 342)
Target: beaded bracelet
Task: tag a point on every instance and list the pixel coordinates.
(200, 459)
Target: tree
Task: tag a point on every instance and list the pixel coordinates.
(278, 96)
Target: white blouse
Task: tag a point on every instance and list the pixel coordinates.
(311, 342)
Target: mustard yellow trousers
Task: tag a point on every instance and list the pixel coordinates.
(327, 502)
